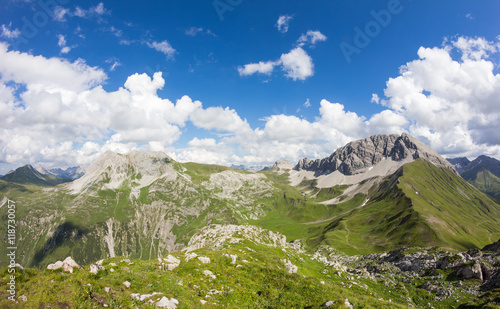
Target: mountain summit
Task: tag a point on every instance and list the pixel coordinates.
(28, 175)
(360, 156)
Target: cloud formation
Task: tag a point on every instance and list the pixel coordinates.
(56, 111)
(311, 37)
(297, 64)
(163, 47)
(283, 23)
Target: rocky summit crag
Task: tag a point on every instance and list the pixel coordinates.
(358, 156)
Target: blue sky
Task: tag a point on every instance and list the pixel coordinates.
(244, 82)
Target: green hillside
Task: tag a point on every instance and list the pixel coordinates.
(162, 216)
(28, 175)
(484, 180)
(420, 205)
(244, 272)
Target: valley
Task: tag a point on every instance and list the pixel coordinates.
(367, 201)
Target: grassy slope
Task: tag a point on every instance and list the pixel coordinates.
(262, 282)
(446, 212)
(484, 180)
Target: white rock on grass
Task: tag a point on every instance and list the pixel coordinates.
(290, 267)
(190, 256)
(347, 303)
(66, 265)
(95, 267)
(172, 262)
(233, 258)
(127, 284)
(210, 274)
(203, 301)
(204, 259)
(167, 303)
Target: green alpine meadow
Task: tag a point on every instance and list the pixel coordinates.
(384, 222)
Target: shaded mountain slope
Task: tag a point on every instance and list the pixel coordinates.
(28, 175)
(483, 173)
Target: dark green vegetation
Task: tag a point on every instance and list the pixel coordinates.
(483, 173)
(28, 175)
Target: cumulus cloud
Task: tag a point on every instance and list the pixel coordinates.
(64, 116)
(311, 37)
(260, 67)
(62, 43)
(297, 64)
(60, 13)
(451, 103)
(97, 10)
(283, 23)
(8, 33)
(34, 71)
(163, 47)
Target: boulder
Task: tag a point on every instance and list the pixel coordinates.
(66, 265)
(167, 303)
(470, 271)
(204, 259)
(95, 267)
(290, 267)
(172, 262)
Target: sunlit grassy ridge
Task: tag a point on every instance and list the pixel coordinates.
(420, 205)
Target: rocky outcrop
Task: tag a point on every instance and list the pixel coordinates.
(67, 265)
(359, 156)
(215, 236)
(494, 247)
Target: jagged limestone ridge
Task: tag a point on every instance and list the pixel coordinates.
(358, 156)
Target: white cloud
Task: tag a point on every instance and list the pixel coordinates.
(193, 31)
(64, 116)
(164, 48)
(220, 119)
(260, 67)
(60, 13)
(451, 104)
(8, 33)
(97, 10)
(474, 48)
(470, 16)
(62, 43)
(26, 69)
(297, 64)
(375, 98)
(311, 37)
(307, 104)
(283, 23)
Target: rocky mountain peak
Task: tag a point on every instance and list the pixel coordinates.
(112, 169)
(359, 156)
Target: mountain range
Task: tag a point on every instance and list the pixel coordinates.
(376, 194)
(383, 199)
(483, 173)
(28, 175)
(69, 173)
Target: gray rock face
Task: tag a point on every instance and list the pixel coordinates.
(358, 156)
